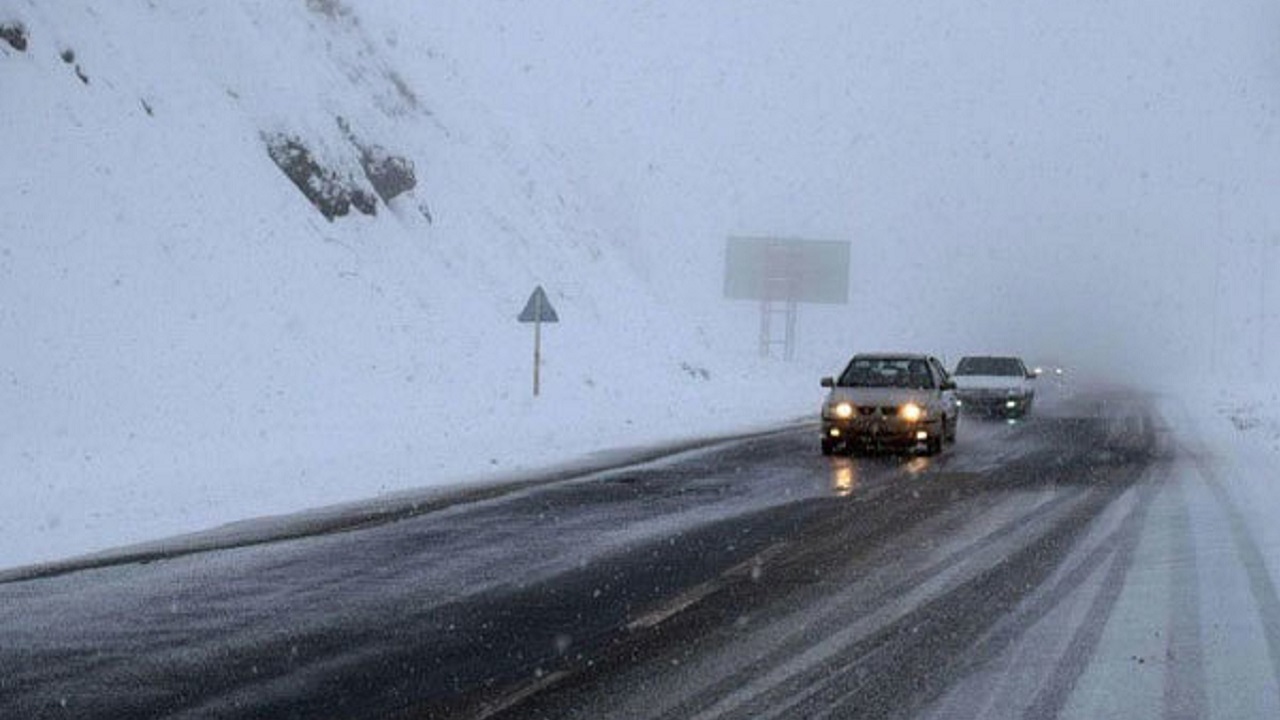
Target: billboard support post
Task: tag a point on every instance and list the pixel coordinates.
(781, 273)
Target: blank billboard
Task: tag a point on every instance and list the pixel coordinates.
(765, 268)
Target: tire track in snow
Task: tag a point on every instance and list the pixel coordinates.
(1261, 585)
(1121, 546)
(1185, 685)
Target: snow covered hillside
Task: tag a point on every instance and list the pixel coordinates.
(256, 257)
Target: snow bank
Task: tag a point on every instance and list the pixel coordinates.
(188, 341)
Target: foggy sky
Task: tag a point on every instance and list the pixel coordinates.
(1059, 179)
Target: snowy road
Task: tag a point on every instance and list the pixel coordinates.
(1095, 561)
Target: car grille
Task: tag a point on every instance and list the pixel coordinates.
(983, 394)
(880, 410)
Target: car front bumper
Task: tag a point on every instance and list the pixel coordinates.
(994, 405)
(878, 431)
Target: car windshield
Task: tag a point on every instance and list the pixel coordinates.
(990, 366)
(887, 372)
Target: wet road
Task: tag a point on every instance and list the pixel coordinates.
(746, 580)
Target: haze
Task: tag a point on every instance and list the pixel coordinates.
(1061, 180)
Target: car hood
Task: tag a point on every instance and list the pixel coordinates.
(879, 396)
(989, 382)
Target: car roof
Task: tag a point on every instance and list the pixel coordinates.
(990, 357)
(891, 356)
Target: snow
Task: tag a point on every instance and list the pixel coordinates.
(188, 342)
(185, 341)
(1193, 629)
(1167, 606)
(1240, 443)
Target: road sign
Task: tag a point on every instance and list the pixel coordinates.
(537, 311)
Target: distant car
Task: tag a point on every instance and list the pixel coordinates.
(995, 385)
(889, 401)
(1052, 371)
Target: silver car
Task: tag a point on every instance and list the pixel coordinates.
(995, 386)
(889, 401)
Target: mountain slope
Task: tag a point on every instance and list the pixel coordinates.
(192, 341)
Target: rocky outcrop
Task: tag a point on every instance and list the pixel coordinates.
(390, 175)
(15, 34)
(330, 192)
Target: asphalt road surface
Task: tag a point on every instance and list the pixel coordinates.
(752, 579)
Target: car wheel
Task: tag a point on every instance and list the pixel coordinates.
(828, 447)
(949, 433)
(933, 445)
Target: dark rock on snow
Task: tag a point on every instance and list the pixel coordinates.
(15, 34)
(330, 193)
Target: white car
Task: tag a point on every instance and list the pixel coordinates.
(994, 385)
(898, 401)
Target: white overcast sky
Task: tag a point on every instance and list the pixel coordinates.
(1061, 175)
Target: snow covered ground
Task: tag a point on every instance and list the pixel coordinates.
(1167, 607)
(186, 341)
(1255, 415)
(1242, 441)
(1238, 443)
(1193, 629)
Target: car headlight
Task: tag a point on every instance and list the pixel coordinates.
(843, 410)
(911, 412)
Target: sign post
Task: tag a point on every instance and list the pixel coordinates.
(785, 272)
(537, 311)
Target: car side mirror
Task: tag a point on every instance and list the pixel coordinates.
(948, 384)
(828, 382)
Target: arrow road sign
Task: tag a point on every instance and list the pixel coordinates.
(537, 311)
